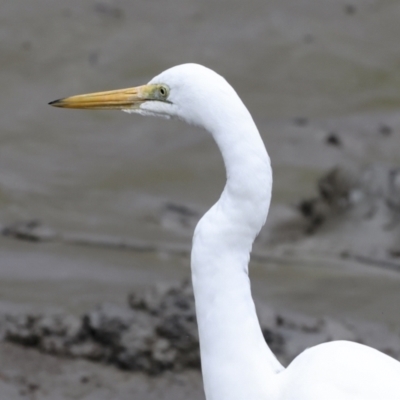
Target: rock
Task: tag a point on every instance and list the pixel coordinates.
(333, 139)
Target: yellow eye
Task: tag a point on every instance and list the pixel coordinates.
(163, 92)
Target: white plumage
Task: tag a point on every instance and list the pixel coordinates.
(237, 364)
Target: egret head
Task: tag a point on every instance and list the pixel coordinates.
(189, 92)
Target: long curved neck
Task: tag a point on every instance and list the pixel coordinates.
(236, 361)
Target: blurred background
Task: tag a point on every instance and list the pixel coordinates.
(94, 205)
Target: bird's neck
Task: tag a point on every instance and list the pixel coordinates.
(235, 358)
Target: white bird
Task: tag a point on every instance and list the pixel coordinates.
(237, 364)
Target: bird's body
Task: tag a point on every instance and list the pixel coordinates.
(237, 364)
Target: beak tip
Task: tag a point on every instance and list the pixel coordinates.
(56, 103)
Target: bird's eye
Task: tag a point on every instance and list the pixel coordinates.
(163, 91)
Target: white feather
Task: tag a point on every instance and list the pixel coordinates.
(236, 362)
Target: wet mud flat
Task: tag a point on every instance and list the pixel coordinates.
(28, 374)
(326, 265)
(144, 346)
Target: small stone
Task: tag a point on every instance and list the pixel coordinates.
(333, 139)
(33, 387)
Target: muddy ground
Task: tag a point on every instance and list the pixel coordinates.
(96, 209)
(143, 346)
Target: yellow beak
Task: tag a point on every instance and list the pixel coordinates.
(120, 99)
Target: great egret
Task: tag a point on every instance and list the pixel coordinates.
(236, 362)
